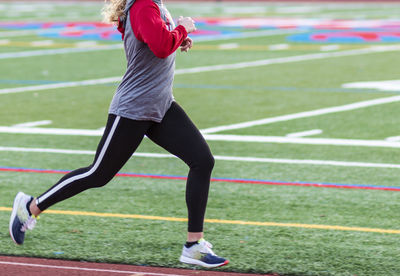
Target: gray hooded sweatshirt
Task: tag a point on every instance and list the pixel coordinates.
(145, 92)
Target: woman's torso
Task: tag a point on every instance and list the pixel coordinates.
(145, 92)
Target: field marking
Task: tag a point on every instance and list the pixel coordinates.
(290, 59)
(218, 157)
(83, 44)
(225, 180)
(278, 47)
(244, 35)
(87, 43)
(90, 269)
(52, 131)
(228, 46)
(34, 124)
(58, 151)
(305, 133)
(387, 85)
(219, 221)
(266, 47)
(332, 47)
(4, 41)
(201, 69)
(21, 33)
(217, 137)
(42, 43)
(304, 114)
(196, 39)
(47, 52)
(60, 85)
(301, 140)
(393, 139)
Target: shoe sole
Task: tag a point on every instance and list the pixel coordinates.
(191, 261)
(14, 214)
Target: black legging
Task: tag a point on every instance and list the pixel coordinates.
(176, 133)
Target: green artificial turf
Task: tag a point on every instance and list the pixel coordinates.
(292, 243)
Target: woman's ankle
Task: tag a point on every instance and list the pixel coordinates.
(35, 211)
(194, 236)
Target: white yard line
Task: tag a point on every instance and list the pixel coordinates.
(228, 46)
(51, 131)
(332, 47)
(218, 157)
(302, 141)
(290, 59)
(88, 43)
(305, 133)
(217, 137)
(393, 139)
(46, 150)
(278, 47)
(306, 114)
(48, 52)
(387, 85)
(59, 85)
(42, 43)
(4, 41)
(221, 67)
(34, 124)
(308, 162)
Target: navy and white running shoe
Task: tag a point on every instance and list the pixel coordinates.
(201, 254)
(20, 220)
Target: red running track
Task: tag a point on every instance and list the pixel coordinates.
(10, 265)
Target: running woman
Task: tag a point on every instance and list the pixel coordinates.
(142, 105)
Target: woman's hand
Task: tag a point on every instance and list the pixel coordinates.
(186, 44)
(188, 23)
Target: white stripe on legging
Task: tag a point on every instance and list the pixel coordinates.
(86, 174)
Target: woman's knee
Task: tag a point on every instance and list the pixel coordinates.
(204, 162)
(100, 180)
(97, 178)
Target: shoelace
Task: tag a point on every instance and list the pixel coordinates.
(29, 224)
(207, 246)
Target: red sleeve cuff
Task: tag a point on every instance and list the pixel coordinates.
(182, 30)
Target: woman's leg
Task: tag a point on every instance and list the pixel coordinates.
(121, 138)
(178, 135)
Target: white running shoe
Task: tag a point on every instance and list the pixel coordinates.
(20, 220)
(201, 254)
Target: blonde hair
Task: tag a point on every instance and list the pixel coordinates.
(112, 10)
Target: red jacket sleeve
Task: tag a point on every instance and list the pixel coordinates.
(149, 28)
